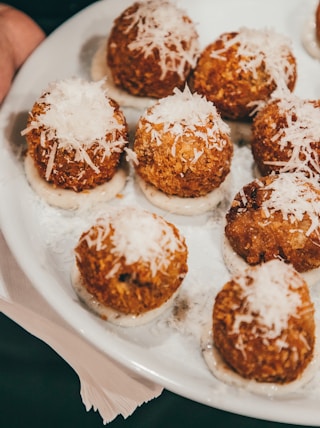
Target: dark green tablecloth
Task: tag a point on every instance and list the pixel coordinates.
(38, 389)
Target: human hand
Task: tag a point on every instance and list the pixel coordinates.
(19, 36)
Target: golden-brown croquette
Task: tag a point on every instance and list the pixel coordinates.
(182, 145)
(276, 217)
(132, 261)
(286, 136)
(241, 69)
(151, 49)
(263, 323)
(75, 135)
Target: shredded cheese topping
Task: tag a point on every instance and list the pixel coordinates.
(186, 113)
(138, 236)
(271, 297)
(164, 27)
(302, 129)
(77, 115)
(256, 47)
(294, 196)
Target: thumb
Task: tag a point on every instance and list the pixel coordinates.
(19, 36)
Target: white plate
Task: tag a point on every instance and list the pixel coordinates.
(42, 238)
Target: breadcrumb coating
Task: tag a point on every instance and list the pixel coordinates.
(290, 232)
(286, 137)
(138, 285)
(152, 48)
(238, 82)
(65, 161)
(242, 337)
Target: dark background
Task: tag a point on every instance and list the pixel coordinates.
(39, 389)
(49, 14)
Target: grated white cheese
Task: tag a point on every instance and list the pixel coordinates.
(293, 195)
(271, 390)
(302, 129)
(102, 228)
(51, 160)
(186, 113)
(271, 297)
(260, 46)
(131, 156)
(78, 114)
(138, 236)
(162, 26)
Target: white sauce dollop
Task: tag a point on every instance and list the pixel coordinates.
(111, 315)
(185, 206)
(68, 199)
(100, 71)
(224, 373)
(309, 39)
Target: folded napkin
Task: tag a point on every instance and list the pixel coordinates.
(106, 386)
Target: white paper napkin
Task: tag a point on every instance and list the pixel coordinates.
(106, 386)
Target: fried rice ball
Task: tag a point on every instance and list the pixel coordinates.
(183, 147)
(151, 49)
(132, 261)
(286, 136)
(75, 135)
(276, 217)
(240, 70)
(263, 324)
